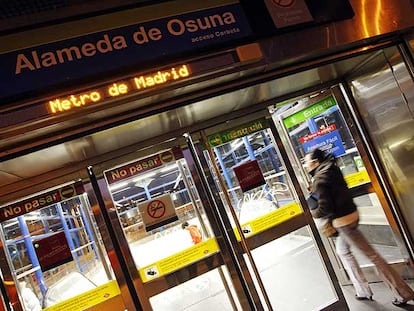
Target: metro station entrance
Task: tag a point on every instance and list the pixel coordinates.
(218, 203)
(212, 218)
(206, 216)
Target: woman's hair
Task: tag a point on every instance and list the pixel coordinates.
(318, 154)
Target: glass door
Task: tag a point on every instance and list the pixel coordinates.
(54, 257)
(197, 243)
(180, 254)
(317, 121)
(263, 203)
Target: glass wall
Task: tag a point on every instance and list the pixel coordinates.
(55, 252)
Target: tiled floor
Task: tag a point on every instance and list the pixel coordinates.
(382, 295)
(382, 299)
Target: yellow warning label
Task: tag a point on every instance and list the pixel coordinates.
(88, 299)
(357, 178)
(269, 220)
(179, 260)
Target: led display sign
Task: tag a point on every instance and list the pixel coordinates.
(104, 92)
(117, 89)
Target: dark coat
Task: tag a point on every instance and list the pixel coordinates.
(334, 197)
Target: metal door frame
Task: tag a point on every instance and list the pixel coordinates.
(246, 294)
(352, 118)
(371, 160)
(284, 228)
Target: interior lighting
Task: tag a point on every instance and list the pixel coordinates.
(168, 168)
(118, 185)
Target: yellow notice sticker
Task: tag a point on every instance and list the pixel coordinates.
(269, 220)
(179, 260)
(89, 298)
(357, 178)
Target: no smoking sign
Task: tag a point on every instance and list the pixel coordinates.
(157, 212)
(156, 209)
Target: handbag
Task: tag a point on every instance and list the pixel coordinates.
(323, 224)
(328, 229)
(312, 201)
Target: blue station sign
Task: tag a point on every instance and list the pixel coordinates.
(53, 64)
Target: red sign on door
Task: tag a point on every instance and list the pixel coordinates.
(249, 175)
(53, 251)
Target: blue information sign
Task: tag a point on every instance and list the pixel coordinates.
(52, 64)
(331, 142)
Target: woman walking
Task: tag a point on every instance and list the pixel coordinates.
(335, 204)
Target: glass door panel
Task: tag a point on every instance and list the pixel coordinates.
(55, 254)
(257, 187)
(293, 273)
(204, 292)
(265, 212)
(316, 121)
(153, 205)
(169, 234)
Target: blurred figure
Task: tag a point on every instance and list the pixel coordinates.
(195, 233)
(30, 300)
(336, 204)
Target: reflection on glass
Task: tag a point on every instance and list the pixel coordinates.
(204, 292)
(293, 273)
(71, 264)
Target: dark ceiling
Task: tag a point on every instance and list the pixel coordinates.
(19, 15)
(16, 8)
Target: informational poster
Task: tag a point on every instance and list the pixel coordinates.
(249, 175)
(330, 142)
(269, 220)
(157, 212)
(53, 251)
